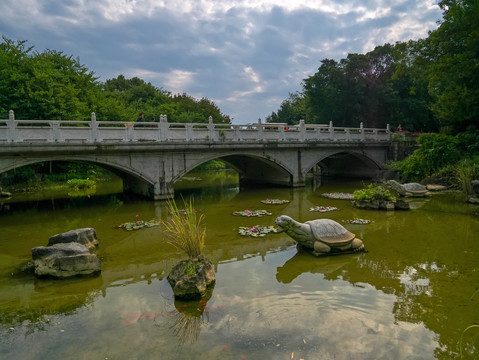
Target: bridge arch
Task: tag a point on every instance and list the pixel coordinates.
(253, 168)
(133, 179)
(344, 163)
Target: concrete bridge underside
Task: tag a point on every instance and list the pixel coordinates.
(151, 170)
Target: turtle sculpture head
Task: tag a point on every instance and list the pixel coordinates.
(322, 236)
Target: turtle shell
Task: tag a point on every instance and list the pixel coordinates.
(330, 232)
(415, 188)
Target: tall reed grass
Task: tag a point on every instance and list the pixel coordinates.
(184, 228)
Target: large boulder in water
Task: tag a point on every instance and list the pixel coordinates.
(84, 236)
(67, 254)
(64, 260)
(191, 278)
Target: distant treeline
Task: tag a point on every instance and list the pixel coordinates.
(51, 85)
(427, 85)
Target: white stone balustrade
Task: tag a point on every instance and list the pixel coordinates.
(93, 131)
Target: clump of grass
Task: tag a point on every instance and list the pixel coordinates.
(465, 172)
(372, 192)
(81, 183)
(184, 229)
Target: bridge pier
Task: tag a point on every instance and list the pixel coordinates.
(157, 191)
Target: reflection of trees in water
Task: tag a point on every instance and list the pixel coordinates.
(39, 308)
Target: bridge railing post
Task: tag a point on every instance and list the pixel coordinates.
(12, 131)
(163, 128)
(189, 132)
(211, 129)
(259, 129)
(93, 128)
(55, 133)
(282, 135)
(331, 131)
(361, 130)
(302, 130)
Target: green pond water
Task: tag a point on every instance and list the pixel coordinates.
(411, 296)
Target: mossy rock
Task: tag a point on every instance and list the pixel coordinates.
(191, 278)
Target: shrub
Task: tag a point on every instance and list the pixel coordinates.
(464, 172)
(81, 183)
(436, 151)
(185, 230)
(372, 192)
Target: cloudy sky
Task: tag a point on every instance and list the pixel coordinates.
(245, 55)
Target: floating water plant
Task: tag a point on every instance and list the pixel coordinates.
(323, 208)
(257, 230)
(359, 221)
(250, 213)
(274, 201)
(137, 225)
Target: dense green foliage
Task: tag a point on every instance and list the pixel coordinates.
(425, 85)
(372, 193)
(51, 172)
(50, 85)
(455, 158)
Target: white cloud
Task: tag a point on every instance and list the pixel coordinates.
(248, 55)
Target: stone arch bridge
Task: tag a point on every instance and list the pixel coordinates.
(151, 158)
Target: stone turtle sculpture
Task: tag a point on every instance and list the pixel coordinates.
(323, 236)
(408, 189)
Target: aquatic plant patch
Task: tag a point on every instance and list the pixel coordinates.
(274, 201)
(359, 221)
(338, 196)
(137, 225)
(257, 230)
(250, 213)
(323, 208)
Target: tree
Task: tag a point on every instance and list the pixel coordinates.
(46, 85)
(291, 110)
(454, 71)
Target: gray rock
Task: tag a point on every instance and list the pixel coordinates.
(84, 236)
(436, 187)
(475, 187)
(191, 278)
(473, 199)
(64, 260)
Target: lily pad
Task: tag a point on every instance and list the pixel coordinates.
(250, 213)
(137, 225)
(257, 230)
(274, 201)
(323, 208)
(359, 221)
